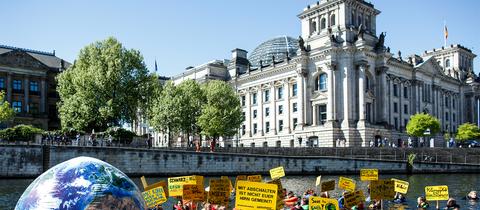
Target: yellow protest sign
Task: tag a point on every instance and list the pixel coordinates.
(154, 197)
(280, 193)
(277, 173)
(240, 177)
(175, 184)
(319, 203)
(328, 185)
(229, 181)
(193, 192)
(219, 191)
(255, 195)
(368, 174)
(401, 186)
(148, 187)
(436, 193)
(346, 184)
(354, 198)
(319, 180)
(254, 178)
(382, 189)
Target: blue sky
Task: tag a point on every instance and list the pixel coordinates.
(187, 33)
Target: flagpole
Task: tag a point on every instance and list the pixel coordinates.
(445, 33)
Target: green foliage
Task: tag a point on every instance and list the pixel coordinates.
(106, 86)
(419, 123)
(191, 98)
(166, 112)
(120, 134)
(20, 133)
(468, 131)
(6, 112)
(221, 115)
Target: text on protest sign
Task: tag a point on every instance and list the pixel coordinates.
(219, 191)
(280, 193)
(254, 178)
(346, 184)
(401, 186)
(255, 195)
(368, 174)
(229, 181)
(354, 198)
(328, 185)
(436, 193)
(175, 184)
(382, 189)
(240, 177)
(277, 173)
(193, 192)
(319, 203)
(154, 197)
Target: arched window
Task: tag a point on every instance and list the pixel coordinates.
(321, 82)
(447, 63)
(323, 24)
(332, 20)
(313, 27)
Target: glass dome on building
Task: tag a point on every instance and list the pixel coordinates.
(277, 47)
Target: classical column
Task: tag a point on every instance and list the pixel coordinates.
(318, 24)
(248, 114)
(43, 97)
(361, 92)
(301, 97)
(400, 104)
(389, 84)
(274, 113)
(478, 111)
(9, 88)
(287, 107)
(26, 89)
(260, 108)
(331, 93)
(314, 114)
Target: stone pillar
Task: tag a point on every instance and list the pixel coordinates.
(43, 97)
(331, 116)
(26, 89)
(348, 77)
(361, 93)
(314, 114)
(318, 24)
(9, 88)
(301, 97)
(248, 114)
(274, 113)
(287, 107)
(389, 93)
(260, 108)
(478, 111)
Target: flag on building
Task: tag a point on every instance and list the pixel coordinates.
(156, 65)
(446, 32)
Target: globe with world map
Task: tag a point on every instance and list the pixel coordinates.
(82, 183)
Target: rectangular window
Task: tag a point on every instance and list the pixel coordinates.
(447, 99)
(280, 125)
(368, 111)
(405, 92)
(395, 107)
(17, 106)
(254, 128)
(280, 109)
(295, 122)
(395, 90)
(279, 92)
(454, 117)
(395, 123)
(446, 116)
(266, 94)
(322, 110)
(267, 127)
(243, 100)
(243, 115)
(254, 98)
(243, 130)
(17, 85)
(254, 114)
(294, 105)
(405, 122)
(267, 112)
(405, 109)
(453, 103)
(294, 89)
(2, 83)
(33, 108)
(34, 86)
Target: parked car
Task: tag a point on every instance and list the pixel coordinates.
(468, 144)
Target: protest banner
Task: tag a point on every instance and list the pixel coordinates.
(354, 198)
(154, 197)
(240, 177)
(346, 184)
(175, 184)
(319, 203)
(255, 195)
(436, 193)
(193, 192)
(229, 181)
(277, 173)
(368, 174)
(147, 187)
(254, 178)
(280, 193)
(382, 189)
(319, 181)
(401, 186)
(219, 191)
(328, 185)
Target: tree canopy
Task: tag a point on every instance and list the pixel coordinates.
(419, 123)
(468, 131)
(106, 86)
(6, 112)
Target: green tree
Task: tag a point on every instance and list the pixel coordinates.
(419, 123)
(6, 112)
(468, 131)
(191, 99)
(221, 114)
(104, 87)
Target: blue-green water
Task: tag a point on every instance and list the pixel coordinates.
(459, 185)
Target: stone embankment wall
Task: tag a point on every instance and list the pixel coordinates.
(30, 161)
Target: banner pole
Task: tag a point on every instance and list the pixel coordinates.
(438, 206)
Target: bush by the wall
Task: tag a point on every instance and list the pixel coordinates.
(20, 133)
(120, 135)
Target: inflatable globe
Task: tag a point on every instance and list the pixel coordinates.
(82, 183)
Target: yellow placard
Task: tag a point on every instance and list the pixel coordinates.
(193, 192)
(401, 186)
(255, 195)
(368, 174)
(436, 193)
(154, 197)
(280, 193)
(254, 178)
(277, 173)
(382, 189)
(354, 198)
(175, 184)
(346, 184)
(240, 177)
(319, 203)
(229, 181)
(319, 181)
(219, 191)
(328, 185)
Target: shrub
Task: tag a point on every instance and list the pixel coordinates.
(120, 135)
(20, 133)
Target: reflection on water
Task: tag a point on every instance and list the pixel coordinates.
(459, 185)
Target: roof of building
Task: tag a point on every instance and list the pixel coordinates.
(47, 58)
(276, 47)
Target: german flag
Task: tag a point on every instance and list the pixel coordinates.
(446, 32)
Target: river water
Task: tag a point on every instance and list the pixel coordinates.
(459, 185)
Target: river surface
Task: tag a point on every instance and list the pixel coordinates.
(459, 185)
